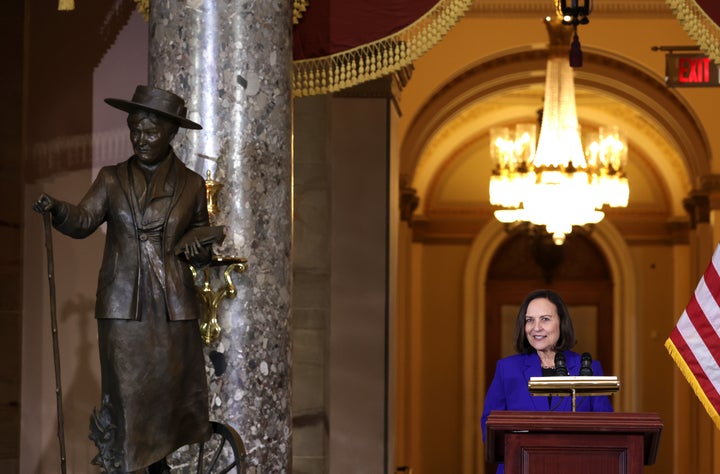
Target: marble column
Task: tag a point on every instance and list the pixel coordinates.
(231, 61)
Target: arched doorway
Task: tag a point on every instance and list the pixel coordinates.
(577, 270)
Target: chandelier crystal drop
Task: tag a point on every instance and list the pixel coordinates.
(557, 184)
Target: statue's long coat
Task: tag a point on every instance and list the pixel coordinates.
(154, 386)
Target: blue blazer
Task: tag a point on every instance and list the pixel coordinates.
(509, 388)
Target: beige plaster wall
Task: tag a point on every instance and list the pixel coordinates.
(440, 359)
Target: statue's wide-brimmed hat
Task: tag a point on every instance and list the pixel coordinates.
(158, 101)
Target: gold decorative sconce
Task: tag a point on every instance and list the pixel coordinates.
(209, 326)
(211, 189)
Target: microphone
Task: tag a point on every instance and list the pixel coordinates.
(586, 364)
(560, 364)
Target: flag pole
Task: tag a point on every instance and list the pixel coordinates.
(56, 345)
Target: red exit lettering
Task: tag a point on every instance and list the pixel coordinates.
(694, 70)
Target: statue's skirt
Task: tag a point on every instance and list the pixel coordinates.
(153, 374)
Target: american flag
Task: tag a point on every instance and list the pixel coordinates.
(694, 343)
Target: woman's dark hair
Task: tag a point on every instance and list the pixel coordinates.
(567, 333)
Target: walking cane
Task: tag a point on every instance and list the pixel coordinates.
(56, 348)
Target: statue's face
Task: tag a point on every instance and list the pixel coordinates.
(150, 135)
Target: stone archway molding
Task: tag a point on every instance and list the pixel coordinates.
(602, 71)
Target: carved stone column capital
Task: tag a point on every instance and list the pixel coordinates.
(697, 205)
(409, 200)
(710, 184)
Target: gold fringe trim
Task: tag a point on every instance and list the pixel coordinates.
(690, 377)
(299, 7)
(373, 60)
(143, 6)
(66, 5)
(698, 25)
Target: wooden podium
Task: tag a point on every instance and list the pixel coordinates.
(531, 442)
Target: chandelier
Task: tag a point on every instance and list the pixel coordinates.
(558, 183)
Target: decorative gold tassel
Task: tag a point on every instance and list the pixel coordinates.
(698, 25)
(66, 5)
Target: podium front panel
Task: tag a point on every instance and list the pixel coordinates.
(566, 432)
(552, 453)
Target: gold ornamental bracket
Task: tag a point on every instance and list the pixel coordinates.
(210, 329)
(210, 298)
(584, 385)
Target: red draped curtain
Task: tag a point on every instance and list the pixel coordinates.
(701, 21)
(341, 43)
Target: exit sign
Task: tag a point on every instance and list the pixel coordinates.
(691, 70)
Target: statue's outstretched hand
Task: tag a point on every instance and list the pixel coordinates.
(45, 203)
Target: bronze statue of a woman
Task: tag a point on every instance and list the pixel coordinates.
(154, 388)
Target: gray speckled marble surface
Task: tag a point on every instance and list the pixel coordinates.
(231, 61)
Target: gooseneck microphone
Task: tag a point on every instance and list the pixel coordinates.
(560, 365)
(586, 364)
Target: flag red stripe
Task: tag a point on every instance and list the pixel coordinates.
(712, 281)
(695, 367)
(703, 326)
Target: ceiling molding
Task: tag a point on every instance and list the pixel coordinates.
(460, 227)
(635, 87)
